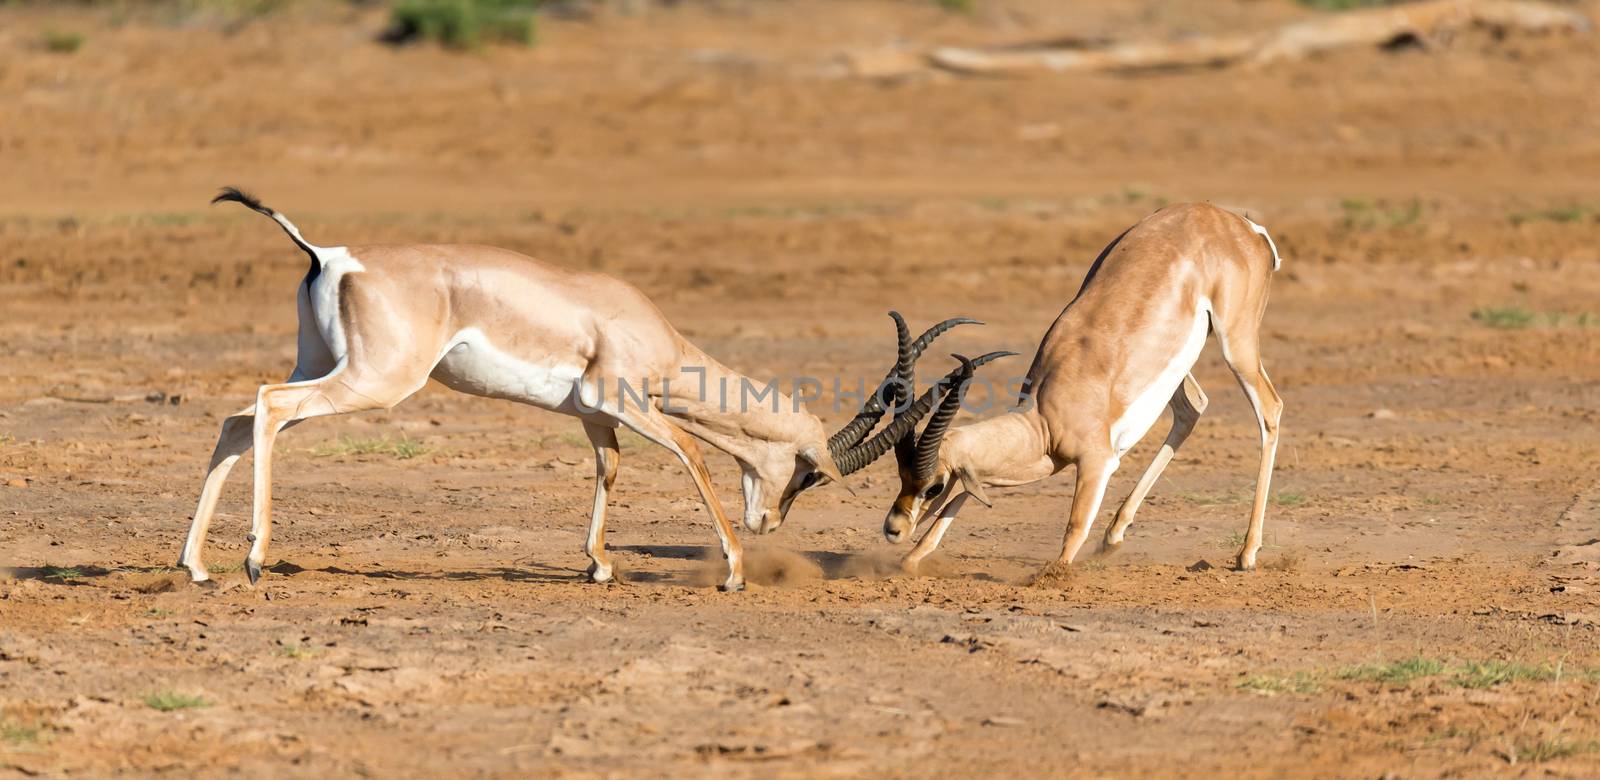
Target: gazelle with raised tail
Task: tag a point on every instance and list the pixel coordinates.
(376, 322)
(1120, 352)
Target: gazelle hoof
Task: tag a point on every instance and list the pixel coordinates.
(732, 585)
(253, 570)
(600, 574)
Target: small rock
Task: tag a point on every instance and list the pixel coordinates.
(1382, 414)
(1001, 720)
(17, 483)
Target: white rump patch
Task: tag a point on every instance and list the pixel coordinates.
(1136, 420)
(1277, 261)
(336, 261)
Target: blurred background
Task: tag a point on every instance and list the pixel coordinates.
(516, 104)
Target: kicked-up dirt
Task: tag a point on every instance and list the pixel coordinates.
(1430, 588)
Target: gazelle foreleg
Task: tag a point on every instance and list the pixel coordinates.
(606, 457)
(1188, 403)
(654, 426)
(935, 533)
(1094, 472)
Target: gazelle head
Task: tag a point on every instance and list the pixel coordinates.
(816, 462)
(772, 482)
(929, 474)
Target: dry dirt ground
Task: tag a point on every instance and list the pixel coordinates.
(1428, 603)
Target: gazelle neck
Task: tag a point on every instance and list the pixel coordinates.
(1011, 449)
(731, 411)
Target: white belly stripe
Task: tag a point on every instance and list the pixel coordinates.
(1135, 422)
(472, 364)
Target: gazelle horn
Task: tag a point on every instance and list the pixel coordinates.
(898, 383)
(905, 422)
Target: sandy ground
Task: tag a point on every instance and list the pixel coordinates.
(1428, 600)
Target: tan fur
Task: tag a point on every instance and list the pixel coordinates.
(401, 310)
(1130, 321)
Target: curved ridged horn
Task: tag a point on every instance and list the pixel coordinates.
(898, 382)
(905, 423)
(927, 448)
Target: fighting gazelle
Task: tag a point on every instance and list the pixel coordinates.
(1119, 352)
(375, 322)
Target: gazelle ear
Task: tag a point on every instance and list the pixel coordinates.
(972, 485)
(820, 460)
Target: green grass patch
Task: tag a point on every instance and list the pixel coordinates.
(1464, 674)
(61, 573)
(1364, 214)
(296, 651)
(1288, 498)
(167, 701)
(1563, 214)
(1280, 498)
(958, 6)
(1487, 674)
(465, 24)
(14, 733)
(1554, 748)
(1399, 672)
(1303, 683)
(1520, 318)
(62, 42)
(401, 449)
(1504, 317)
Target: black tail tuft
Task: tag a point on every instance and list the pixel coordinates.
(236, 195)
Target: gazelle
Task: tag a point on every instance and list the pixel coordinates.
(375, 322)
(1119, 352)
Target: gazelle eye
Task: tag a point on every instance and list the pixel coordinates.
(933, 491)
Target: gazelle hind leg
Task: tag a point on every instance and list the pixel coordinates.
(1093, 474)
(1188, 403)
(606, 457)
(278, 406)
(313, 359)
(1244, 356)
(232, 442)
